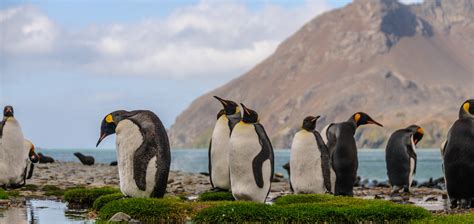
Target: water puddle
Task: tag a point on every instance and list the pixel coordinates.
(42, 211)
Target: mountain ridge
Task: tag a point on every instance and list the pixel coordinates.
(401, 64)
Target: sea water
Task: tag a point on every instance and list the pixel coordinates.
(371, 161)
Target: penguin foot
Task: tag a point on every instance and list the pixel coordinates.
(16, 186)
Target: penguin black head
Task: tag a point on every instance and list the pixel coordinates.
(250, 116)
(8, 111)
(309, 123)
(230, 107)
(467, 109)
(109, 123)
(417, 131)
(361, 118)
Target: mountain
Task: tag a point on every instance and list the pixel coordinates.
(402, 64)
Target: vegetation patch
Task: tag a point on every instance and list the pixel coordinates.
(457, 218)
(104, 199)
(84, 198)
(313, 208)
(30, 187)
(3, 194)
(148, 209)
(216, 196)
(13, 193)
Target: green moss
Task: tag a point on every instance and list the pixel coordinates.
(454, 219)
(104, 199)
(148, 209)
(50, 188)
(312, 208)
(3, 194)
(30, 187)
(13, 193)
(84, 198)
(216, 196)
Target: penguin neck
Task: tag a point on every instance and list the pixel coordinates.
(352, 122)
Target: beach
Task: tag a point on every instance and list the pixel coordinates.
(185, 184)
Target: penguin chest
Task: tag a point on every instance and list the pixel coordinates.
(245, 147)
(129, 139)
(305, 164)
(219, 154)
(13, 154)
(412, 164)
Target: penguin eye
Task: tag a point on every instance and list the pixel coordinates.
(109, 118)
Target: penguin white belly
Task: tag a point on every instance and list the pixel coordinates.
(220, 147)
(14, 154)
(412, 165)
(129, 139)
(245, 147)
(306, 172)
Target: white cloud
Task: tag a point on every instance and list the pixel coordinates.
(209, 39)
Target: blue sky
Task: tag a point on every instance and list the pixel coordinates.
(65, 64)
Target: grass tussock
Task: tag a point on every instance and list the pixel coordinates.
(84, 198)
(447, 219)
(104, 199)
(3, 194)
(148, 209)
(216, 196)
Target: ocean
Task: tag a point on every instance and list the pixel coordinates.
(371, 161)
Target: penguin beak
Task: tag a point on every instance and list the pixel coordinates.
(315, 118)
(371, 121)
(246, 110)
(102, 136)
(224, 102)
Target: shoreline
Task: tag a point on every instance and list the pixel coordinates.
(65, 175)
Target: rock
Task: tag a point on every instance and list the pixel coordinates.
(378, 196)
(431, 198)
(383, 184)
(113, 163)
(85, 160)
(120, 217)
(280, 175)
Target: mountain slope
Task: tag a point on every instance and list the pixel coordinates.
(400, 64)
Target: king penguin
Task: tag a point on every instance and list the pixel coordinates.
(458, 158)
(143, 151)
(250, 159)
(339, 138)
(309, 159)
(219, 146)
(30, 161)
(13, 153)
(400, 157)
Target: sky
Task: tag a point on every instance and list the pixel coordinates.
(65, 64)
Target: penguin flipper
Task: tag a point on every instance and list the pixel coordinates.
(210, 163)
(30, 172)
(2, 123)
(263, 155)
(324, 160)
(141, 158)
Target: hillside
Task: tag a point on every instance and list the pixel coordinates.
(401, 64)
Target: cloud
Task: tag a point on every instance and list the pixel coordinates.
(209, 39)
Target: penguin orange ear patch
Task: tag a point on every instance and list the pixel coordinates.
(357, 117)
(109, 118)
(466, 107)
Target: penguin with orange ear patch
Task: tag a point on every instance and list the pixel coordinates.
(343, 152)
(458, 158)
(400, 157)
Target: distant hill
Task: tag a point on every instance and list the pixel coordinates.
(402, 64)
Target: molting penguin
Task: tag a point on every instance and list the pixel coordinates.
(13, 153)
(343, 152)
(250, 159)
(143, 151)
(309, 160)
(30, 164)
(219, 146)
(400, 157)
(458, 157)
